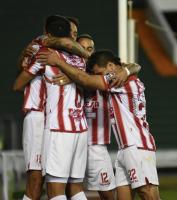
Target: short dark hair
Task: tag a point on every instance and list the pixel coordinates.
(85, 35)
(101, 58)
(74, 20)
(57, 26)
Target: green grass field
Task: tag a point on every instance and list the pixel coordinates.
(167, 194)
(167, 188)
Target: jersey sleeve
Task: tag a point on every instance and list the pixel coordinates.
(35, 67)
(108, 80)
(122, 89)
(117, 90)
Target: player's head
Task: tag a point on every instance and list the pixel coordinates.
(74, 23)
(57, 26)
(86, 41)
(103, 61)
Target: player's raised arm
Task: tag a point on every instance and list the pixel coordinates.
(27, 75)
(27, 52)
(61, 79)
(133, 68)
(78, 76)
(67, 44)
(124, 72)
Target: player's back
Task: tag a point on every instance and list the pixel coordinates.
(34, 93)
(130, 113)
(64, 104)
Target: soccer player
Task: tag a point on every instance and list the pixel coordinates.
(67, 43)
(99, 170)
(65, 122)
(33, 126)
(104, 132)
(98, 178)
(86, 41)
(135, 163)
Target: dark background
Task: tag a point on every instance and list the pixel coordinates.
(21, 21)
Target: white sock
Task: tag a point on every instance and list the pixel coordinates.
(79, 196)
(59, 197)
(26, 198)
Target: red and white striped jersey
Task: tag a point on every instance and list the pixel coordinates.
(98, 118)
(64, 104)
(129, 107)
(34, 93)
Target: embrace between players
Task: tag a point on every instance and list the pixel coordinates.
(73, 97)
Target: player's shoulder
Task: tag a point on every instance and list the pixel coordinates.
(136, 85)
(69, 55)
(73, 59)
(132, 78)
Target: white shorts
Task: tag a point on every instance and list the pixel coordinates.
(33, 130)
(65, 154)
(135, 167)
(99, 171)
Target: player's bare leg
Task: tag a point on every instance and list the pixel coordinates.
(55, 189)
(73, 188)
(106, 195)
(74, 191)
(148, 192)
(34, 184)
(125, 193)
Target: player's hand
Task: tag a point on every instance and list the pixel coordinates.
(26, 55)
(61, 79)
(30, 51)
(49, 57)
(45, 41)
(120, 76)
(55, 43)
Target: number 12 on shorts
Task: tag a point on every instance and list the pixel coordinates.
(104, 178)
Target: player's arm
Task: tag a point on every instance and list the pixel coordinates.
(27, 75)
(77, 75)
(26, 53)
(123, 72)
(67, 44)
(133, 68)
(61, 79)
(22, 80)
(20, 59)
